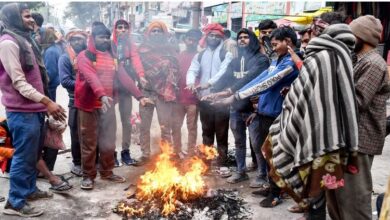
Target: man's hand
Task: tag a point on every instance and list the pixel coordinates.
(144, 101)
(224, 102)
(203, 87)
(210, 97)
(54, 109)
(143, 81)
(294, 56)
(106, 103)
(250, 119)
(191, 87)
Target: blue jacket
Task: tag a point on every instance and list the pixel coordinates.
(269, 83)
(50, 57)
(67, 76)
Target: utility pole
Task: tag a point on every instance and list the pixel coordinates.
(228, 19)
(243, 22)
(195, 14)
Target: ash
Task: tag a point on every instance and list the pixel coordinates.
(221, 204)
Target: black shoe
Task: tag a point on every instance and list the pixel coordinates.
(126, 158)
(270, 202)
(117, 163)
(262, 192)
(25, 211)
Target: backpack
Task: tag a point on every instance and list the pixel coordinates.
(222, 54)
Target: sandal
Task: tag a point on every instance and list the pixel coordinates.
(61, 187)
(114, 178)
(295, 209)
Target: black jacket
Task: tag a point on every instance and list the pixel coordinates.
(238, 75)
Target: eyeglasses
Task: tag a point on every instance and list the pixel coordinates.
(122, 27)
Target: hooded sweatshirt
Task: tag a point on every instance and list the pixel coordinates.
(243, 69)
(96, 79)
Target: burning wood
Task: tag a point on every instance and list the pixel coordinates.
(174, 192)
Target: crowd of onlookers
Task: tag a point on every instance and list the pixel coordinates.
(313, 104)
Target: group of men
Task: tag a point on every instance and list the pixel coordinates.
(313, 112)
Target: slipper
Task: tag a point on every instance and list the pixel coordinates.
(295, 209)
(2, 199)
(62, 187)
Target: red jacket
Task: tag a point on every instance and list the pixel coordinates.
(96, 79)
(185, 96)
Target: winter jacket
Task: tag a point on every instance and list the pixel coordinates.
(269, 83)
(243, 69)
(50, 57)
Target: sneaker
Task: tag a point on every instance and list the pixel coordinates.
(258, 182)
(114, 178)
(76, 170)
(117, 162)
(126, 158)
(87, 183)
(39, 194)
(26, 211)
(270, 202)
(238, 177)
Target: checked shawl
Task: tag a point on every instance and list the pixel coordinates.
(319, 113)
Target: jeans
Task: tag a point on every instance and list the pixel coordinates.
(27, 137)
(74, 136)
(257, 136)
(125, 107)
(237, 124)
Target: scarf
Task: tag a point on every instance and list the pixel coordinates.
(319, 114)
(11, 23)
(161, 69)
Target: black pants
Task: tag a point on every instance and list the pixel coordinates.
(74, 136)
(215, 122)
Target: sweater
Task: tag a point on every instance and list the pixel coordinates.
(21, 90)
(185, 96)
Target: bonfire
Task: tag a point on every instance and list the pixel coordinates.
(167, 185)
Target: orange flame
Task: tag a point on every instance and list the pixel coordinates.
(166, 183)
(209, 151)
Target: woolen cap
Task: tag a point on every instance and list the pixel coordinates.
(367, 28)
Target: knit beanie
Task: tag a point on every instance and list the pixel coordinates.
(367, 28)
(100, 29)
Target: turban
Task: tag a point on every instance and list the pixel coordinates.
(156, 24)
(214, 27)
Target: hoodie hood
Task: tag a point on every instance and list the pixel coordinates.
(254, 44)
(114, 36)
